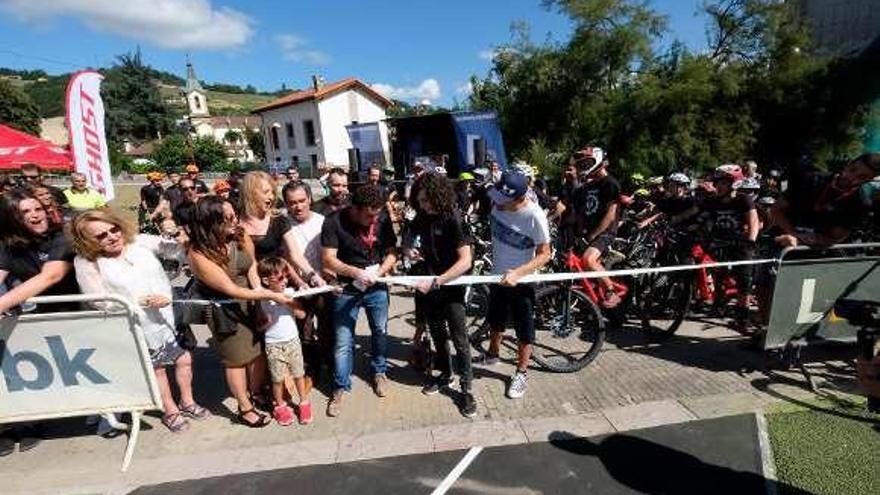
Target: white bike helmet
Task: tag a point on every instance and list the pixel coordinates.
(680, 179)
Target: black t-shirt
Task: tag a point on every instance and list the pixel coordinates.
(439, 240)
(173, 195)
(592, 201)
(25, 263)
(673, 206)
(356, 245)
(815, 204)
(151, 195)
(272, 242)
(726, 217)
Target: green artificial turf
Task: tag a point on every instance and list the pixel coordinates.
(830, 448)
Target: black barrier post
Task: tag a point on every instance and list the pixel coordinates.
(865, 314)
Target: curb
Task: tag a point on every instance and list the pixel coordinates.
(768, 466)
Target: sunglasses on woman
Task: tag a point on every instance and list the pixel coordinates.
(112, 230)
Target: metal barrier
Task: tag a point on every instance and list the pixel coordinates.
(77, 363)
(806, 290)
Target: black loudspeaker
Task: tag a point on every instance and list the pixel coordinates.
(479, 152)
(354, 164)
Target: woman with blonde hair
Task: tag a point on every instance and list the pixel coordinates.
(271, 232)
(112, 259)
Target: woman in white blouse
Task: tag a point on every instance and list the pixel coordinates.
(111, 259)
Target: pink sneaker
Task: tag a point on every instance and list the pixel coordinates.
(283, 415)
(305, 413)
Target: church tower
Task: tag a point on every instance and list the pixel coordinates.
(196, 96)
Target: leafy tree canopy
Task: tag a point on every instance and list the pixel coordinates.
(18, 110)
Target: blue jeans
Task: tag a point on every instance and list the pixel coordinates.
(345, 313)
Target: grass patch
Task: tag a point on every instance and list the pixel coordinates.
(126, 200)
(830, 448)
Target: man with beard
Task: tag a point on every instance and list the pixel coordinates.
(337, 180)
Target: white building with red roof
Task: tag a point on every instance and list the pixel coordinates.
(307, 128)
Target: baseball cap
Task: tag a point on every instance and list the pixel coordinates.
(513, 185)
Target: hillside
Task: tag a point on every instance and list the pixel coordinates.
(219, 103)
(48, 92)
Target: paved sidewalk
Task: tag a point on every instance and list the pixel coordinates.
(701, 373)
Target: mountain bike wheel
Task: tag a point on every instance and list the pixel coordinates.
(569, 329)
(662, 301)
(476, 301)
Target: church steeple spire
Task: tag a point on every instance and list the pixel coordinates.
(192, 82)
(196, 96)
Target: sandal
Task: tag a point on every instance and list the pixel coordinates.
(175, 422)
(194, 411)
(261, 402)
(262, 422)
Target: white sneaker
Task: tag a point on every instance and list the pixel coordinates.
(517, 387)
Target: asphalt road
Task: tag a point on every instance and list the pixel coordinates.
(711, 456)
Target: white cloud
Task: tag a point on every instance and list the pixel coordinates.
(429, 89)
(297, 49)
(177, 24)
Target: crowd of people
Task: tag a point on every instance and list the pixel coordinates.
(252, 239)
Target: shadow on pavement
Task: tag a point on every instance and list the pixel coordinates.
(649, 467)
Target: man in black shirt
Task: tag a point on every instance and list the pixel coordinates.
(596, 204)
(151, 196)
(822, 209)
(733, 225)
(172, 191)
(192, 173)
(337, 181)
(445, 247)
(358, 244)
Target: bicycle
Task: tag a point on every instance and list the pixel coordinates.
(569, 327)
(661, 301)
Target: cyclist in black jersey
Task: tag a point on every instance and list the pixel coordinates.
(596, 208)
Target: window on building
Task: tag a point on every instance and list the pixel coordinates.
(291, 139)
(309, 127)
(314, 162)
(274, 136)
(198, 102)
(294, 161)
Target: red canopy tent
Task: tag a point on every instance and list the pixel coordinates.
(18, 148)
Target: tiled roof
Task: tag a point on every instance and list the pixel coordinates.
(325, 92)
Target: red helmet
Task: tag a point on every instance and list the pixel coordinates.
(731, 172)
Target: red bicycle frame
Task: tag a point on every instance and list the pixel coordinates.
(596, 292)
(706, 288)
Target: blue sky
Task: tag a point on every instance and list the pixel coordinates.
(412, 49)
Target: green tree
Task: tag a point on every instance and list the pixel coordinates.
(18, 110)
(134, 108)
(173, 153)
(255, 142)
(759, 92)
(209, 153)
